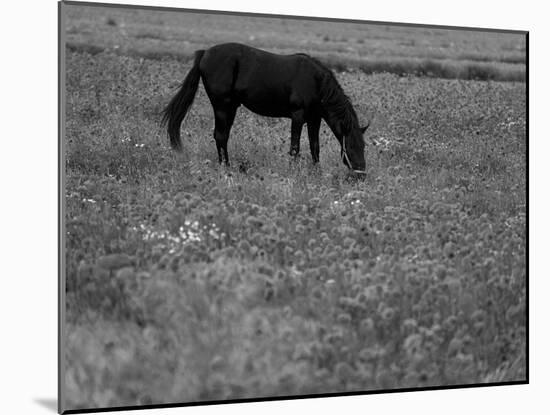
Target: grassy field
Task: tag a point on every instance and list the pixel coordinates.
(186, 281)
(370, 48)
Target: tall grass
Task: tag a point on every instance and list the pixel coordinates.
(187, 281)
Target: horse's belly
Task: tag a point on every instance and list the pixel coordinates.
(268, 108)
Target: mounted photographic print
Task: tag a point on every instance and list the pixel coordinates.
(264, 207)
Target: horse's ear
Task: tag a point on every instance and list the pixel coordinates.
(363, 129)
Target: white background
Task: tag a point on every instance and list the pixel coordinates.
(28, 149)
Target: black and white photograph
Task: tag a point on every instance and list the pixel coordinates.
(258, 207)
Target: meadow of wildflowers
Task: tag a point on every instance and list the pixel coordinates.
(186, 281)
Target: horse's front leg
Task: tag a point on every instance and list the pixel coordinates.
(313, 126)
(295, 132)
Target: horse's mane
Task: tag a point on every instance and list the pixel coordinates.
(334, 97)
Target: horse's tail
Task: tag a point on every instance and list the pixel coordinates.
(177, 108)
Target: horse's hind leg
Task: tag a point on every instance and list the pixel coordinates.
(295, 132)
(224, 118)
(313, 135)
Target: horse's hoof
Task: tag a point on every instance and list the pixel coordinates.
(294, 152)
(357, 175)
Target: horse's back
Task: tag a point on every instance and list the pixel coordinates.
(266, 83)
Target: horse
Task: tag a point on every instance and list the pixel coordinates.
(295, 86)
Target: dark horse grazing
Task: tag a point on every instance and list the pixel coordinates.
(296, 86)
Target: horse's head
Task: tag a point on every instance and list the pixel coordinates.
(353, 149)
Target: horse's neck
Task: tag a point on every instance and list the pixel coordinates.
(338, 116)
(334, 126)
(339, 113)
